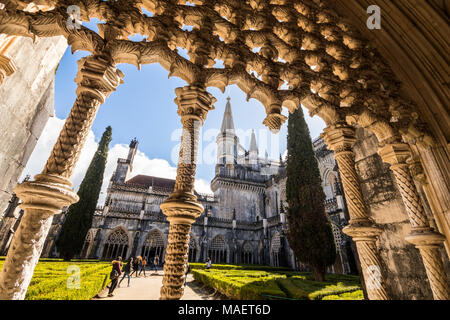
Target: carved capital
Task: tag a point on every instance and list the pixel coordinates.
(181, 210)
(194, 103)
(340, 138)
(274, 119)
(425, 237)
(362, 230)
(97, 76)
(48, 193)
(395, 154)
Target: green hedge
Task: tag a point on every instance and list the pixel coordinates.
(243, 284)
(202, 266)
(49, 281)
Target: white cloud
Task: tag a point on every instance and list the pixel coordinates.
(142, 163)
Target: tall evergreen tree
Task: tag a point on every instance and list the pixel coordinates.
(310, 235)
(79, 216)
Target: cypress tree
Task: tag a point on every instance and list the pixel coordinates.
(79, 215)
(310, 235)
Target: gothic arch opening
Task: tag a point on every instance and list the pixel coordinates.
(116, 245)
(193, 248)
(87, 245)
(218, 250)
(275, 250)
(247, 253)
(154, 245)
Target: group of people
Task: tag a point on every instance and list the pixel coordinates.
(135, 265)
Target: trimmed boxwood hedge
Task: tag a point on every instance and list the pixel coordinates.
(240, 283)
(50, 277)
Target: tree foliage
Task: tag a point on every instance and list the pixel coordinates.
(79, 215)
(310, 235)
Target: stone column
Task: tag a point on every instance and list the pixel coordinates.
(425, 238)
(182, 207)
(340, 138)
(51, 190)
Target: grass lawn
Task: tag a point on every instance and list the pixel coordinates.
(52, 278)
(260, 282)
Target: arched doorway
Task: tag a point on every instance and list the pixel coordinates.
(116, 245)
(275, 250)
(192, 255)
(87, 245)
(218, 250)
(246, 253)
(154, 245)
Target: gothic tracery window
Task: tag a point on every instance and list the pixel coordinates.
(218, 250)
(86, 246)
(116, 245)
(246, 253)
(154, 245)
(192, 249)
(275, 249)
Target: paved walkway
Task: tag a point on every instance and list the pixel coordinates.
(148, 288)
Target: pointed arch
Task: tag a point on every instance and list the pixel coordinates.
(218, 250)
(247, 253)
(116, 244)
(154, 245)
(275, 249)
(194, 248)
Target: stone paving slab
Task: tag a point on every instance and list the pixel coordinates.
(148, 288)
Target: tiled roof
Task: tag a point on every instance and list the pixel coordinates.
(155, 182)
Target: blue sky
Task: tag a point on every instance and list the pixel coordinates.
(143, 107)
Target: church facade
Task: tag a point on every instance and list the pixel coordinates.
(244, 221)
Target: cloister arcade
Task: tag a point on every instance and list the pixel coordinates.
(154, 245)
(284, 53)
(116, 245)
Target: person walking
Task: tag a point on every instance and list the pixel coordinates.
(114, 275)
(126, 272)
(208, 263)
(143, 265)
(188, 269)
(135, 266)
(156, 263)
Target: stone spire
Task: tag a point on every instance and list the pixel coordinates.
(227, 122)
(253, 152)
(227, 141)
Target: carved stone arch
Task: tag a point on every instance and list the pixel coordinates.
(194, 248)
(154, 244)
(247, 253)
(88, 243)
(275, 249)
(218, 249)
(117, 243)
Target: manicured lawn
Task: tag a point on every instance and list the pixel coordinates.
(53, 278)
(243, 283)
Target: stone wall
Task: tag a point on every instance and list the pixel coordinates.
(26, 103)
(401, 262)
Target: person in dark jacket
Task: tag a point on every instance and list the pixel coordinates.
(156, 263)
(114, 275)
(135, 266)
(126, 271)
(143, 265)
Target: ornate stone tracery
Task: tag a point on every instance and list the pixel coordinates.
(265, 45)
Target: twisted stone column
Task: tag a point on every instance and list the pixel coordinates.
(182, 207)
(340, 138)
(425, 238)
(51, 190)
